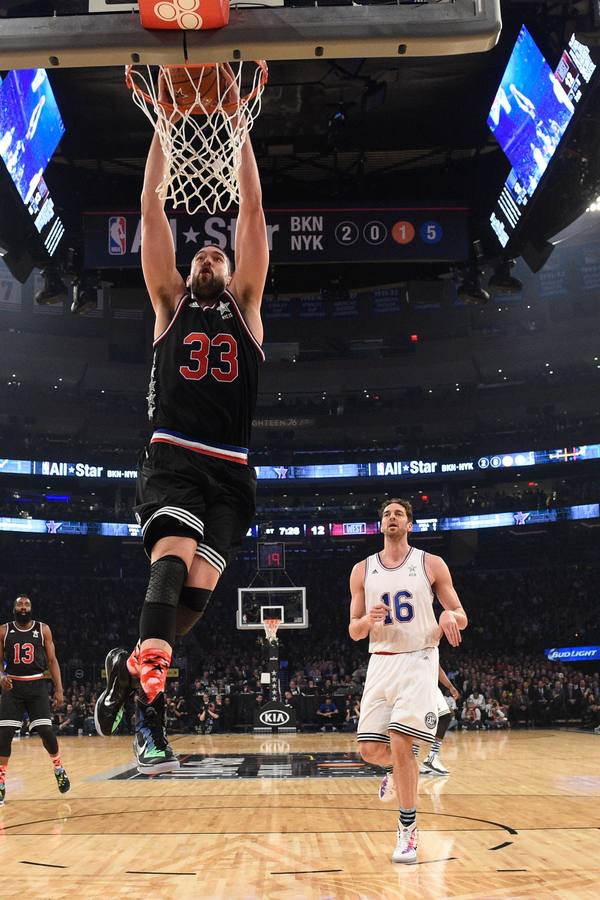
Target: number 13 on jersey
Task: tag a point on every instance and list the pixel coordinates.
(401, 610)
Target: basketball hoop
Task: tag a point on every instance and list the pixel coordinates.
(202, 115)
(271, 626)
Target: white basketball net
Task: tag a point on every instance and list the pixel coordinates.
(271, 626)
(202, 138)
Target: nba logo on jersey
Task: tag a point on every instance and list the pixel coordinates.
(117, 236)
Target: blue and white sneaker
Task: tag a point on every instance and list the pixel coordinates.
(387, 790)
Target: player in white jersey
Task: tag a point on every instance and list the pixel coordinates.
(392, 602)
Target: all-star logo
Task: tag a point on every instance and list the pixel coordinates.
(223, 308)
(36, 633)
(412, 570)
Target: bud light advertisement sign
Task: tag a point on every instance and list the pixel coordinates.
(573, 654)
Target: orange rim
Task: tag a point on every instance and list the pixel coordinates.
(170, 107)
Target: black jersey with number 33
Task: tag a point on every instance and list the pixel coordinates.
(24, 651)
(204, 378)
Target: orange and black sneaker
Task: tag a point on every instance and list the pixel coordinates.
(153, 753)
(110, 705)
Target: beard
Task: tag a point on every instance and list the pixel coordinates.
(23, 617)
(207, 288)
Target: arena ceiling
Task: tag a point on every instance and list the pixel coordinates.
(352, 130)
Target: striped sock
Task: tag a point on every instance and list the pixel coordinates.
(56, 760)
(408, 817)
(435, 749)
(389, 770)
(415, 749)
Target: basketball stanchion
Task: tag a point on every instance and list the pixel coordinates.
(202, 115)
(273, 716)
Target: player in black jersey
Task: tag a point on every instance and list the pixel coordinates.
(195, 489)
(26, 648)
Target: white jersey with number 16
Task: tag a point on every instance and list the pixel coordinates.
(406, 590)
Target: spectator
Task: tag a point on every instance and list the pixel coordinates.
(352, 714)
(471, 716)
(328, 713)
(227, 714)
(496, 716)
(477, 699)
(68, 723)
(518, 710)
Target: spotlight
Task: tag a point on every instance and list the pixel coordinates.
(54, 290)
(85, 295)
(502, 282)
(471, 291)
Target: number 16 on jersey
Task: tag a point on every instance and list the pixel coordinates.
(400, 610)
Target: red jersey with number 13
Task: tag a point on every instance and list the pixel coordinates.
(204, 379)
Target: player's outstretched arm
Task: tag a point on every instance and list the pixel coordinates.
(251, 244)
(443, 679)
(53, 665)
(453, 620)
(164, 283)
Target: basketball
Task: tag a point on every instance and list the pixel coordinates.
(200, 89)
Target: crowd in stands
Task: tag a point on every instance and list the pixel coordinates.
(495, 692)
(93, 604)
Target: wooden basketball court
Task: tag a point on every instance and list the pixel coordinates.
(519, 816)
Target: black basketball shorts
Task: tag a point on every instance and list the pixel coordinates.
(181, 493)
(29, 697)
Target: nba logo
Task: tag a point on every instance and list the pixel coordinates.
(117, 234)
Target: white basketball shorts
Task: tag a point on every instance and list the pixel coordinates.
(442, 706)
(400, 695)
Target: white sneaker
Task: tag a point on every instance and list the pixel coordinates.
(424, 769)
(434, 767)
(387, 791)
(597, 729)
(406, 846)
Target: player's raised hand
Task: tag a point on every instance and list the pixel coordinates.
(6, 683)
(450, 628)
(377, 614)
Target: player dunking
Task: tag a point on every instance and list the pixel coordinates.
(195, 489)
(392, 602)
(26, 647)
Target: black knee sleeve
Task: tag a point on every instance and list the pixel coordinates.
(192, 604)
(48, 738)
(157, 620)
(442, 726)
(195, 598)
(6, 736)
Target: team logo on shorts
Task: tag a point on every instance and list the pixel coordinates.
(431, 720)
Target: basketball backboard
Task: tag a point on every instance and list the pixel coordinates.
(285, 603)
(110, 34)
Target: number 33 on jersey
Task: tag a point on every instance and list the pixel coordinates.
(204, 378)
